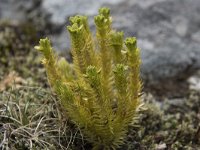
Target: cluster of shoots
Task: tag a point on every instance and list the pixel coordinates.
(100, 90)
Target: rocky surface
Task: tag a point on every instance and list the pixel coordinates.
(19, 11)
(168, 35)
(168, 30)
(194, 81)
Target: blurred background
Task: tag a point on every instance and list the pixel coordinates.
(168, 33)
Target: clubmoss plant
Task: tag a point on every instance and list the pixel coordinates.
(101, 89)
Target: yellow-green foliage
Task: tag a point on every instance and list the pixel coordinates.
(100, 90)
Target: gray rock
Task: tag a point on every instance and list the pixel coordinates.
(168, 31)
(194, 81)
(168, 34)
(19, 11)
(60, 10)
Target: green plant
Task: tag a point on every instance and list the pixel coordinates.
(100, 90)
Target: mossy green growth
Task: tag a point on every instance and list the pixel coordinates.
(101, 89)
